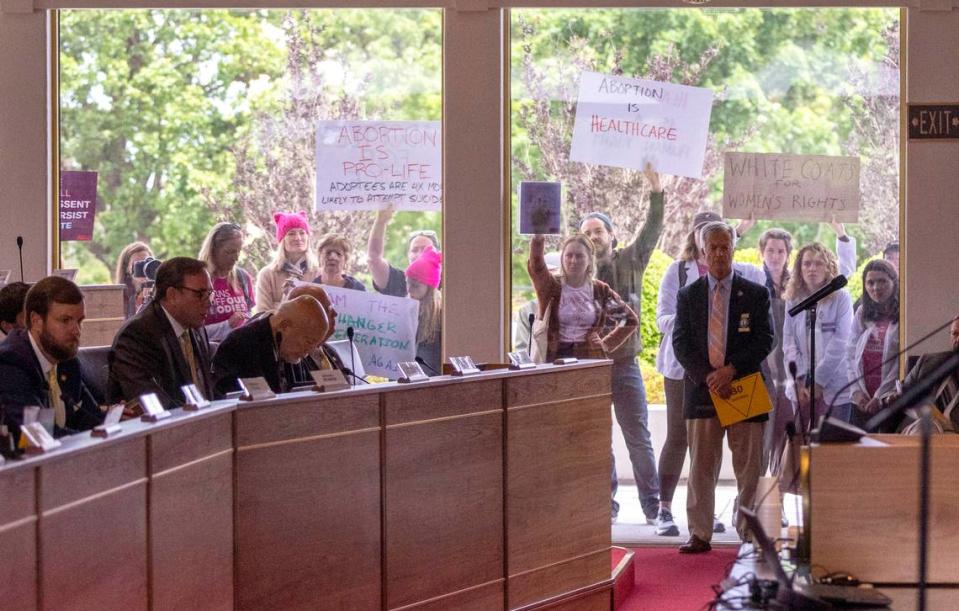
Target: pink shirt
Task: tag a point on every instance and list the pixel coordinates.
(872, 356)
(226, 301)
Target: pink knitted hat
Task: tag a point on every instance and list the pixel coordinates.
(290, 220)
(427, 267)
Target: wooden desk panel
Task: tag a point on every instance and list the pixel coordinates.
(442, 401)
(88, 473)
(444, 506)
(557, 384)
(308, 524)
(18, 539)
(558, 504)
(312, 416)
(94, 551)
(191, 515)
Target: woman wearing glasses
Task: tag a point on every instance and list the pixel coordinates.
(294, 260)
(232, 299)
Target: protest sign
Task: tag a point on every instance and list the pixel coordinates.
(791, 187)
(539, 208)
(384, 328)
(78, 205)
(627, 122)
(365, 165)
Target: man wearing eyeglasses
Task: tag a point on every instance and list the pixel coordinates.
(165, 345)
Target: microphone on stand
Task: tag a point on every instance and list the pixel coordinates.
(420, 360)
(349, 336)
(834, 285)
(529, 344)
(20, 248)
(355, 377)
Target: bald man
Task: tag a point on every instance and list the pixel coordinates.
(275, 346)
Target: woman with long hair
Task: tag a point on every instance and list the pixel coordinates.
(874, 341)
(232, 299)
(293, 260)
(587, 319)
(132, 287)
(816, 266)
(422, 284)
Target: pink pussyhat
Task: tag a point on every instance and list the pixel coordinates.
(290, 220)
(427, 267)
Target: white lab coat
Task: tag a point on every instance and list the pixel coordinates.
(858, 337)
(833, 325)
(666, 362)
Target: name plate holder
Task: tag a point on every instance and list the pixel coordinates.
(152, 408)
(463, 366)
(255, 389)
(412, 372)
(4, 279)
(520, 360)
(328, 380)
(37, 439)
(195, 401)
(111, 422)
(69, 274)
(566, 360)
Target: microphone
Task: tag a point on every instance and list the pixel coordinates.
(834, 285)
(350, 373)
(349, 336)
(20, 248)
(420, 360)
(529, 344)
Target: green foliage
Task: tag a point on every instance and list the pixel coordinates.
(652, 278)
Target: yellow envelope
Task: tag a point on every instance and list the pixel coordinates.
(749, 399)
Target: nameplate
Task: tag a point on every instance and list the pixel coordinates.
(111, 422)
(38, 439)
(328, 380)
(153, 410)
(520, 360)
(194, 398)
(933, 121)
(566, 360)
(255, 389)
(69, 274)
(463, 366)
(4, 277)
(412, 372)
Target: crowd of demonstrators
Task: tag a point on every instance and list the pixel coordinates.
(387, 279)
(133, 284)
(232, 301)
(622, 270)
(335, 251)
(293, 260)
(814, 267)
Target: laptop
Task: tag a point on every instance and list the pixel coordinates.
(813, 595)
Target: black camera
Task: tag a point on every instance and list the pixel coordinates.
(147, 268)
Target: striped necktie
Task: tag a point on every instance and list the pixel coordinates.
(717, 329)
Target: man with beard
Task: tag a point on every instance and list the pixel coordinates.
(622, 269)
(39, 366)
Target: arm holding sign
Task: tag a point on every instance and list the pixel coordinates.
(642, 247)
(379, 268)
(845, 249)
(544, 283)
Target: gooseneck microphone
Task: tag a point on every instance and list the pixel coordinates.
(529, 344)
(349, 336)
(355, 377)
(20, 248)
(834, 285)
(422, 362)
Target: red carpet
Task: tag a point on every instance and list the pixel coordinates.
(668, 580)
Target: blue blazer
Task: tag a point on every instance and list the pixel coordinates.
(749, 338)
(23, 384)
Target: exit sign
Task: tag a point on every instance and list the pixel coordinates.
(933, 121)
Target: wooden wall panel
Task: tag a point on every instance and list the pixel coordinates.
(482, 598)
(94, 552)
(191, 536)
(18, 539)
(444, 506)
(546, 582)
(308, 524)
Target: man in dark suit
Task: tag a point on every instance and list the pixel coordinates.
(276, 347)
(164, 346)
(944, 395)
(722, 332)
(39, 366)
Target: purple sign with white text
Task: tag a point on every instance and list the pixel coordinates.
(78, 205)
